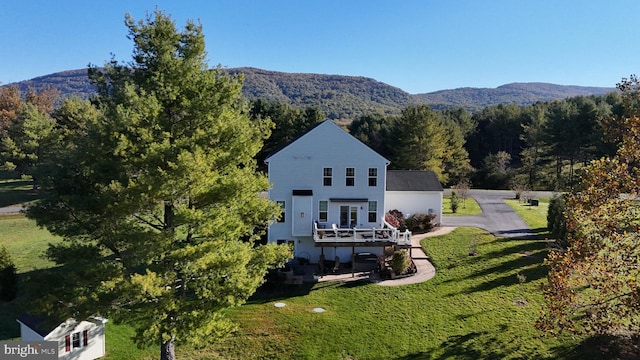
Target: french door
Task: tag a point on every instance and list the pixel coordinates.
(348, 216)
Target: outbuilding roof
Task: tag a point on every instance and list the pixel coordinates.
(40, 324)
(412, 180)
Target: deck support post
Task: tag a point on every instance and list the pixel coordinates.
(353, 261)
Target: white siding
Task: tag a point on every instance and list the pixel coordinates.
(27, 334)
(415, 202)
(299, 166)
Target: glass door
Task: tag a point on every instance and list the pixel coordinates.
(348, 216)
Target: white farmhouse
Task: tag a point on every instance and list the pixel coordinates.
(334, 193)
(78, 340)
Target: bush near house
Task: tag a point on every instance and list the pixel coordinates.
(401, 261)
(419, 223)
(415, 223)
(395, 218)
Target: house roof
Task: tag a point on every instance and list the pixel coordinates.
(336, 132)
(412, 180)
(45, 325)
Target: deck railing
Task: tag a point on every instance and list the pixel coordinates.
(385, 234)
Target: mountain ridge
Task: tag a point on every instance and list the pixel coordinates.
(345, 97)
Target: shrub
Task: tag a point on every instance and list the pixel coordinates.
(556, 222)
(455, 202)
(420, 222)
(8, 276)
(401, 261)
(395, 218)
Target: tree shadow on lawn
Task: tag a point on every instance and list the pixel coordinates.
(28, 291)
(529, 262)
(13, 194)
(484, 345)
(269, 292)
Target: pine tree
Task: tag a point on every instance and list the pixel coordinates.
(157, 196)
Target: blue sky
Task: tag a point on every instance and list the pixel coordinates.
(416, 45)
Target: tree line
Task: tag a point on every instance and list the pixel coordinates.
(542, 146)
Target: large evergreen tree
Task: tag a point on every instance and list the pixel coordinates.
(157, 195)
(421, 139)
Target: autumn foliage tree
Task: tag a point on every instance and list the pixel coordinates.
(593, 284)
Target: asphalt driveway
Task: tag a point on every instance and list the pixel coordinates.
(497, 217)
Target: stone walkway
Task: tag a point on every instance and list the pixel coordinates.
(425, 269)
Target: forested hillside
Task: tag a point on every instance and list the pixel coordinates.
(347, 97)
(339, 97)
(474, 99)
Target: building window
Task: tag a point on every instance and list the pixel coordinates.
(282, 213)
(373, 211)
(373, 177)
(76, 340)
(323, 211)
(351, 176)
(85, 338)
(327, 174)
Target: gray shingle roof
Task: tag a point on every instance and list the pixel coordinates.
(412, 180)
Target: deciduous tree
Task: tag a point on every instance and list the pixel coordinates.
(158, 199)
(29, 139)
(593, 284)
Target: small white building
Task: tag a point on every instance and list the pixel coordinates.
(334, 192)
(414, 192)
(82, 340)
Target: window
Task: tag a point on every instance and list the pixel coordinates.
(323, 211)
(351, 176)
(85, 338)
(373, 211)
(282, 206)
(76, 340)
(327, 174)
(373, 177)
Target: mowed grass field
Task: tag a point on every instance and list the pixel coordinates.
(474, 308)
(467, 207)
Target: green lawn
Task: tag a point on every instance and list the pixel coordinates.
(15, 192)
(534, 216)
(468, 207)
(26, 244)
(473, 308)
